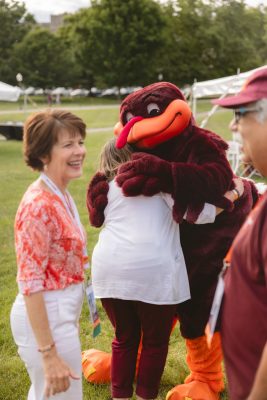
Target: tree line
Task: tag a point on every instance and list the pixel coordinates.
(133, 42)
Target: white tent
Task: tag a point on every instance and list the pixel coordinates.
(61, 91)
(219, 87)
(29, 91)
(8, 92)
(79, 92)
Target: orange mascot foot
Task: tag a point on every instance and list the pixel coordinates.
(96, 366)
(205, 381)
(192, 391)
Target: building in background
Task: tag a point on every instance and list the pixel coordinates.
(56, 21)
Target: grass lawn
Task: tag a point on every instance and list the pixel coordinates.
(14, 178)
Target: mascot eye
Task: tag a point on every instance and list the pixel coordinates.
(153, 109)
(128, 116)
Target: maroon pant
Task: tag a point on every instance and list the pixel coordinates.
(129, 319)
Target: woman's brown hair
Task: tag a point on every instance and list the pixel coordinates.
(111, 158)
(41, 132)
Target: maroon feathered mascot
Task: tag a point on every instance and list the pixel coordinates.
(190, 163)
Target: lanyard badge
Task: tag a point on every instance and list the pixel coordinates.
(94, 316)
(216, 305)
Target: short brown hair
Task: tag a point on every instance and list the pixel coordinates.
(41, 132)
(111, 158)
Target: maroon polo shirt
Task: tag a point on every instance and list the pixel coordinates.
(244, 311)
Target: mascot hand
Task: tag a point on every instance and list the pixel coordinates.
(97, 199)
(145, 174)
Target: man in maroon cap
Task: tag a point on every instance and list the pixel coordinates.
(244, 310)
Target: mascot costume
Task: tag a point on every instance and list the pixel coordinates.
(190, 163)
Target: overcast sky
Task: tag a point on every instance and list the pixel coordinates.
(41, 9)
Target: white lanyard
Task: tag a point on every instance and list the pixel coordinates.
(70, 207)
(216, 305)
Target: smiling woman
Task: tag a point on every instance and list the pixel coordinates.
(51, 257)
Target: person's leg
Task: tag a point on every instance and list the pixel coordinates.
(124, 346)
(96, 364)
(66, 334)
(70, 351)
(156, 322)
(68, 347)
(27, 349)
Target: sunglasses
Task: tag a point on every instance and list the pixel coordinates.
(240, 112)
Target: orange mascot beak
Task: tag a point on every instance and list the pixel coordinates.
(150, 132)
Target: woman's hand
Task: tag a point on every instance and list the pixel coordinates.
(233, 195)
(57, 373)
(239, 185)
(237, 191)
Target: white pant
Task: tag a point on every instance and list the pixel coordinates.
(63, 309)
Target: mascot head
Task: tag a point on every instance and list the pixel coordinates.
(152, 115)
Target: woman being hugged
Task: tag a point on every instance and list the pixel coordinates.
(51, 256)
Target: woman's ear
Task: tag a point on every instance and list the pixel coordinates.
(45, 160)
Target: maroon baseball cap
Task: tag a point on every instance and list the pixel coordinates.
(254, 89)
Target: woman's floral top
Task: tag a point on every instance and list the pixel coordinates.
(49, 245)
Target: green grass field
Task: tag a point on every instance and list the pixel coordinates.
(14, 178)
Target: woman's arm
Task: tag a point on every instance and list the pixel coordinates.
(56, 371)
(209, 212)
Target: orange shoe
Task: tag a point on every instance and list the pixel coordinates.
(205, 381)
(205, 362)
(96, 366)
(192, 391)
